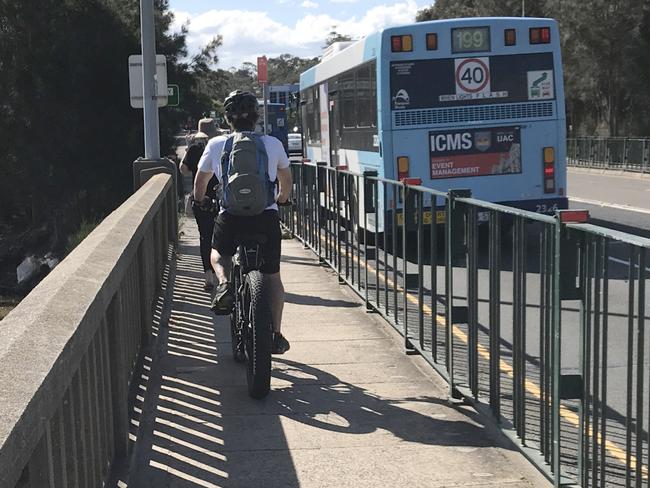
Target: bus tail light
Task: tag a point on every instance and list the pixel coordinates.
(402, 167)
(432, 41)
(510, 37)
(399, 44)
(540, 35)
(549, 170)
(412, 181)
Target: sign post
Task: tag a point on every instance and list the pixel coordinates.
(150, 101)
(262, 79)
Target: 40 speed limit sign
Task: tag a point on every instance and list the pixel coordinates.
(472, 77)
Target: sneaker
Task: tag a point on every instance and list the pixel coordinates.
(223, 300)
(280, 344)
(210, 281)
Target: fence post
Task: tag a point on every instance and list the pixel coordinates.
(320, 188)
(454, 247)
(556, 351)
(646, 156)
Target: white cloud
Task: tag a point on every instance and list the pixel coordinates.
(309, 4)
(344, 1)
(305, 38)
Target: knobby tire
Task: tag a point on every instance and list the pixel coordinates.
(236, 320)
(258, 337)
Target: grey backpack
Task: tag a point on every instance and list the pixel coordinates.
(246, 187)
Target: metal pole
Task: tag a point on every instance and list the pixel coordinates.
(266, 110)
(150, 102)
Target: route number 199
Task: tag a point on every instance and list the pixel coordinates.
(470, 39)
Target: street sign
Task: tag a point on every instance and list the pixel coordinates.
(173, 96)
(135, 80)
(262, 70)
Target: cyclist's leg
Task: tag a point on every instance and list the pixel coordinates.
(273, 284)
(223, 247)
(205, 222)
(221, 265)
(271, 268)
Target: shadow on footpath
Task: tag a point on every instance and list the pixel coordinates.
(318, 301)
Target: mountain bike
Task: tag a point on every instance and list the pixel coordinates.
(251, 327)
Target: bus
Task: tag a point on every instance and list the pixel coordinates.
(277, 123)
(475, 103)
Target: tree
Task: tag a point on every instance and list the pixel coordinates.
(286, 69)
(334, 36)
(69, 134)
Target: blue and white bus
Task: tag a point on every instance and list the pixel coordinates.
(473, 103)
(276, 123)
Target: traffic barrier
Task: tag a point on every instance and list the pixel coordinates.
(482, 296)
(614, 153)
(69, 351)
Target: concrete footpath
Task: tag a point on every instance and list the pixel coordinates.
(347, 407)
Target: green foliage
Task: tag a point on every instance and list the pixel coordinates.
(75, 239)
(604, 49)
(69, 135)
(7, 304)
(286, 69)
(334, 36)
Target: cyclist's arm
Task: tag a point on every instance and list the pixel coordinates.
(201, 184)
(285, 183)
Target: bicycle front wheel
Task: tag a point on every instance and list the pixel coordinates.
(259, 336)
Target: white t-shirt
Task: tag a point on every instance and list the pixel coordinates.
(210, 161)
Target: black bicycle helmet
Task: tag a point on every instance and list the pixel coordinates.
(240, 102)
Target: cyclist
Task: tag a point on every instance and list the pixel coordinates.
(203, 210)
(242, 111)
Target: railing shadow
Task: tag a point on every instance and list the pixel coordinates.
(318, 301)
(319, 399)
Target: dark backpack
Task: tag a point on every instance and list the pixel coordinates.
(246, 187)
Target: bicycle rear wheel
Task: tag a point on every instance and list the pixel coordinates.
(236, 319)
(259, 336)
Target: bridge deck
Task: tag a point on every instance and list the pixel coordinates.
(347, 407)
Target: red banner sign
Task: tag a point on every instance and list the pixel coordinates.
(262, 71)
(475, 152)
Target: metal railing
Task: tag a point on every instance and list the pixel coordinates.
(501, 302)
(69, 350)
(617, 153)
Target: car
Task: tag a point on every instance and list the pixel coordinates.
(295, 143)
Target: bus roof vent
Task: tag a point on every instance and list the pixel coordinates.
(336, 47)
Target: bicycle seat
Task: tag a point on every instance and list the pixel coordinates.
(250, 239)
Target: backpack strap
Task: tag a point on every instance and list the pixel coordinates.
(225, 159)
(263, 161)
(262, 156)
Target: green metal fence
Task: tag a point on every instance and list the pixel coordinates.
(619, 153)
(510, 307)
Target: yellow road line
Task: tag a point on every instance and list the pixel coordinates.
(507, 369)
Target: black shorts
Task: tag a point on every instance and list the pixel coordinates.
(228, 226)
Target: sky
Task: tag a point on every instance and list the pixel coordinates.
(274, 27)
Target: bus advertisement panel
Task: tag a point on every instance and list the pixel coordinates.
(475, 152)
